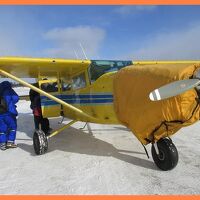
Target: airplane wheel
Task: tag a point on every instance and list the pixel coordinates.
(168, 154)
(40, 142)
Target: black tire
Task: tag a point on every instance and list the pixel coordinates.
(168, 154)
(40, 142)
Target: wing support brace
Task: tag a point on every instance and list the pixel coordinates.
(62, 128)
(68, 106)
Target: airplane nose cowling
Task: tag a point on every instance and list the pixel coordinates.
(152, 120)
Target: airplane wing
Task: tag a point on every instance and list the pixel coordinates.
(18, 67)
(32, 67)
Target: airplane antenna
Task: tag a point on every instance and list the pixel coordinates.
(76, 54)
(83, 51)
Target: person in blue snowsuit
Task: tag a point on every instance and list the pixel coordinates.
(3, 132)
(8, 119)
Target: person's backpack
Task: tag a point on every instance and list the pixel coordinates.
(3, 105)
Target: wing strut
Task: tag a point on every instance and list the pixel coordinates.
(62, 128)
(70, 107)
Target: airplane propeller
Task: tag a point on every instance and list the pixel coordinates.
(173, 89)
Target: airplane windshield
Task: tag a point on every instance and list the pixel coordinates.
(100, 67)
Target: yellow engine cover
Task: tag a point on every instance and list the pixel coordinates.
(149, 120)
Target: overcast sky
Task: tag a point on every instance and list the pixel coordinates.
(105, 32)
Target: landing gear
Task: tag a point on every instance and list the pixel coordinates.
(40, 142)
(165, 154)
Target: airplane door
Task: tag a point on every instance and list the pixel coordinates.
(50, 108)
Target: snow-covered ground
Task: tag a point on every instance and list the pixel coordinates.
(21, 91)
(101, 159)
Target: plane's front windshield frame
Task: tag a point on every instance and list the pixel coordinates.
(99, 67)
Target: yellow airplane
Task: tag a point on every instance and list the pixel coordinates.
(100, 91)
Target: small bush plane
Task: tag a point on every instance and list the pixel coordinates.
(85, 90)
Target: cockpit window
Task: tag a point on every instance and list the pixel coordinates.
(100, 67)
(65, 85)
(79, 81)
(50, 86)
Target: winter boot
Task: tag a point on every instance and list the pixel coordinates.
(3, 146)
(11, 145)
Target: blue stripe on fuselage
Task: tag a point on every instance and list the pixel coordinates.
(82, 96)
(83, 99)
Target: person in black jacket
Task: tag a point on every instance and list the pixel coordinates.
(39, 121)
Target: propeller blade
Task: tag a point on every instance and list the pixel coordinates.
(173, 89)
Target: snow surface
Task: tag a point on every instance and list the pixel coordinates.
(101, 159)
(22, 90)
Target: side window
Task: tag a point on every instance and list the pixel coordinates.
(79, 81)
(50, 86)
(66, 85)
(100, 67)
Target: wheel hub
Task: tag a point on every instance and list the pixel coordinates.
(161, 155)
